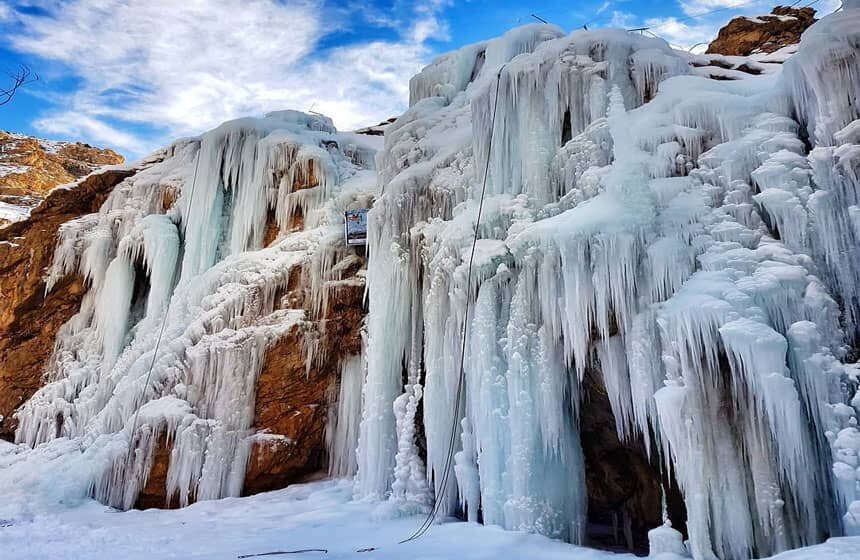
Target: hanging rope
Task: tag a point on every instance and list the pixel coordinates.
(282, 552)
(163, 320)
(437, 500)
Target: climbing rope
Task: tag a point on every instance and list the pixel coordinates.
(437, 500)
(163, 322)
(283, 552)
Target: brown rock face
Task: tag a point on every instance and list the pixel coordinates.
(292, 401)
(744, 36)
(29, 318)
(153, 493)
(30, 167)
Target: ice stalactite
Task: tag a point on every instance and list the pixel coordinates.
(342, 427)
(672, 232)
(196, 270)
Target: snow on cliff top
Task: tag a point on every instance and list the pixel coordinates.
(30, 167)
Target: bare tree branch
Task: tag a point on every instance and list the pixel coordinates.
(22, 76)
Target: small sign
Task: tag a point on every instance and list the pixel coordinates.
(355, 226)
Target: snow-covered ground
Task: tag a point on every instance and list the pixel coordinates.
(317, 515)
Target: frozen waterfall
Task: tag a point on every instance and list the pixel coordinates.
(692, 240)
(195, 250)
(691, 243)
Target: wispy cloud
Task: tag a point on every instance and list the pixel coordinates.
(699, 7)
(683, 34)
(183, 67)
(623, 20)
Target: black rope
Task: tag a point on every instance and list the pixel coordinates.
(163, 320)
(278, 552)
(437, 501)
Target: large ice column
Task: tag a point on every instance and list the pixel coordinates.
(833, 411)
(413, 193)
(545, 464)
(553, 95)
(388, 339)
(243, 167)
(449, 74)
(833, 209)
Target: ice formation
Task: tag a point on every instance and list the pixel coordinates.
(692, 240)
(177, 254)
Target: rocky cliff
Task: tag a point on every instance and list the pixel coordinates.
(744, 36)
(30, 167)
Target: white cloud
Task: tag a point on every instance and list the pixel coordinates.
(623, 20)
(683, 34)
(187, 66)
(73, 124)
(698, 7)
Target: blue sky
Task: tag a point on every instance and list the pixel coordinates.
(134, 74)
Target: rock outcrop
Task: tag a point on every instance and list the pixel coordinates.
(30, 167)
(30, 318)
(744, 36)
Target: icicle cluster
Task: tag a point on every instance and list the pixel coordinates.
(125, 377)
(673, 232)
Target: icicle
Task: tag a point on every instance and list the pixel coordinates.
(342, 428)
